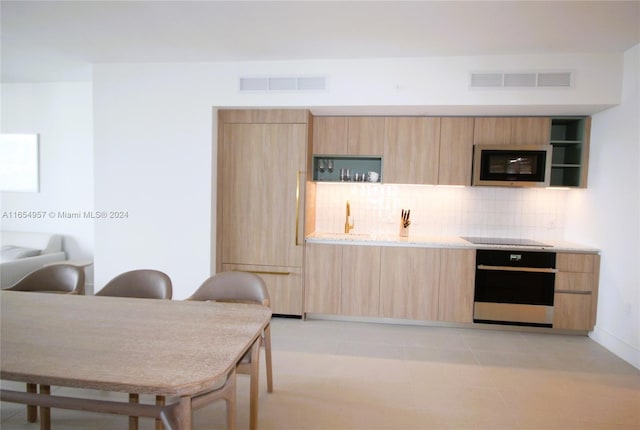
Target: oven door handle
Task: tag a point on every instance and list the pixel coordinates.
(518, 269)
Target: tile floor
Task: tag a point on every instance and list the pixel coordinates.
(349, 375)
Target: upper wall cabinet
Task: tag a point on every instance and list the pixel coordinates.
(411, 150)
(341, 135)
(330, 135)
(456, 151)
(511, 131)
(366, 135)
(570, 159)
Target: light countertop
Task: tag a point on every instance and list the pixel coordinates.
(437, 242)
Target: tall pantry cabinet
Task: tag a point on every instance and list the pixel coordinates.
(262, 159)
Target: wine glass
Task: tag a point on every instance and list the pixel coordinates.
(322, 165)
(330, 165)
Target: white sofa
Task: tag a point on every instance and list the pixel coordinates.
(24, 252)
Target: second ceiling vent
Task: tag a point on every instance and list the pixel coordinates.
(284, 83)
(521, 80)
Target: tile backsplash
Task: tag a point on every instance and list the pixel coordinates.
(443, 211)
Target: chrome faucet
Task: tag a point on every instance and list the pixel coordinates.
(348, 227)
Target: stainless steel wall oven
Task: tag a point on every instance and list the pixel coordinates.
(514, 287)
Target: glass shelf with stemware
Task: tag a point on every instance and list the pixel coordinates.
(341, 168)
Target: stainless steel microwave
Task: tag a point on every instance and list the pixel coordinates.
(512, 165)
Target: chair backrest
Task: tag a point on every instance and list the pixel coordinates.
(140, 284)
(55, 278)
(233, 287)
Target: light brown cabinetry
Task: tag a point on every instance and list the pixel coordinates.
(457, 278)
(456, 151)
(323, 278)
(342, 280)
(427, 284)
(411, 150)
(409, 283)
(342, 135)
(366, 135)
(261, 199)
(360, 281)
(330, 134)
(576, 291)
(511, 131)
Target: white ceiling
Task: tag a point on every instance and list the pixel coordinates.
(59, 40)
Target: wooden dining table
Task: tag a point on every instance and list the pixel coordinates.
(176, 349)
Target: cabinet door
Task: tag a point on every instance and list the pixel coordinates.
(492, 131)
(572, 311)
(456, 151)
(260, 195)
(284, 285)
(366, 135)
(530, 131)
(409, 283)
(360, 281)
(411, 150)
(457, 277)
(322, 278)
(330, 135)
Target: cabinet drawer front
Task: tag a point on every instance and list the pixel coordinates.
(283, 283)
(574, 282)
(575, 262)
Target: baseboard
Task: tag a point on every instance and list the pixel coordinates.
(617, 346)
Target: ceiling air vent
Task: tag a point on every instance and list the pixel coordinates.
(479, 80)
(520, 79)
(284, 83)
(554, 79)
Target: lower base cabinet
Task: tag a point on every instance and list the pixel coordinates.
(457, 284)
(409, 283)
(284, 285)
(342, 279)
(322, 278)
(576, 291)
(429, 284)
(572, 311)
(360, 281)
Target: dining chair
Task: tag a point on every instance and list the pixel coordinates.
(243, 287)
(55, 278)
(140, 284)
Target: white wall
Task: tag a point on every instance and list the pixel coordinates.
(62, 114)
(607, 215)
(153, 134)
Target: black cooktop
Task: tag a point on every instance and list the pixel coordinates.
(504, 241)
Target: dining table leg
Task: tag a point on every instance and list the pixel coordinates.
(45, 412)
(32, 410)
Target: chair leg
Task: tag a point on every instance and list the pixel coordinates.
(254, 383)
(133, 421)
(160, 401)
(45, 413)
(267, 356)
(32, 410)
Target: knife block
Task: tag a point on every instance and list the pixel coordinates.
(404, 231)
